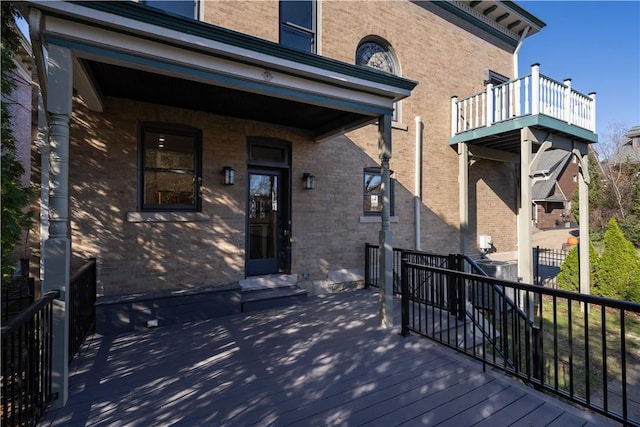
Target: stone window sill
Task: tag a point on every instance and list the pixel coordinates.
(369, 219)
(167, 217)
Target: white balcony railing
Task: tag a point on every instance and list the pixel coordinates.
(529, 95)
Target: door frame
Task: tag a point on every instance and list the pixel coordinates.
(257, 163)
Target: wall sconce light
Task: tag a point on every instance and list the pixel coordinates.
(229, 175)
(309, 181)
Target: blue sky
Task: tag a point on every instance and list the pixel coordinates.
(597, 45)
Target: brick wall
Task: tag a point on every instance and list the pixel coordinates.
(446, 56)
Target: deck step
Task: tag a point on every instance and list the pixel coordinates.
(265, 292)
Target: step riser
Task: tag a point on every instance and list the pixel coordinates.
(261, 293)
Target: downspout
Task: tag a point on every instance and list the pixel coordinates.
(42, 139)
(35, 23)
(515, 53)
(417, 199)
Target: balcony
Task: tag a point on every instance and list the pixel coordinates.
(494, 117)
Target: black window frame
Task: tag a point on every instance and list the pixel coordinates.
(177, 130)
(376, 171)
(159, 3)
(297, 27)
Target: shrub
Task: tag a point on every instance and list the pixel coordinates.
(569, 276)
(618, 273)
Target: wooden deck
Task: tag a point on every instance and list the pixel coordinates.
(322, 363)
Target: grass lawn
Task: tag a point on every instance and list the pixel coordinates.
(566, 366)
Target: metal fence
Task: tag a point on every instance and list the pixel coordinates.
(27, 348)
(16, 296)
(575, 346)
(82, 311)
(372, 266)
(546, 265)
(26, 363)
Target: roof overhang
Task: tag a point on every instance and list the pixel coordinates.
(129, 50)
(503, 19)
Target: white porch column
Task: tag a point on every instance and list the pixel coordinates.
(583, 248)
(525, 251)
(463, 196)
(57, 248)
(385, 261)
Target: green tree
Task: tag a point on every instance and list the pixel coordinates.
(16, 218)
(618, 273)
(569, 276)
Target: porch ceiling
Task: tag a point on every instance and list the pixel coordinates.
(123, 82)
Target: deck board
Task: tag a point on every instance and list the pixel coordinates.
(322, 363)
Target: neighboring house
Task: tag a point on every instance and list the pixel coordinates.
(194, 147)
(554, 183)
(629, 150)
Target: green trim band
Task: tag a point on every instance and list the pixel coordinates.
(551, 123)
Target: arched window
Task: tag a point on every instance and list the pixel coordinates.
(376, 53)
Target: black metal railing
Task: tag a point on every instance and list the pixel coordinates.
(576, 346)
(16, 296)
(27, 348)
(26, 363)
(372, 272)
(546, 264)
(82, 298)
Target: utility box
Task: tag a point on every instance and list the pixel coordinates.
(484, 242)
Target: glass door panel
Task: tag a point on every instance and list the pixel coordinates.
(265, 223)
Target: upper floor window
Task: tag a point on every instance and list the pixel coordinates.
(377, 54)
(495, 78)
(187, 8)
(298, 24)
(372, 192)
(169, 168)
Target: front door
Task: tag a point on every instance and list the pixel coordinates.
(268, 222)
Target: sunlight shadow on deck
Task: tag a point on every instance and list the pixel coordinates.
(322, 363)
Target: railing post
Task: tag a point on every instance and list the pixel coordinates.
(538, 359)
(536, 265)
(461, 300)
(404, 296)
(568, 107)
(592, 117)
(489, 111)
(455, 294)
(367, 266)
(535, 89)
(454, 115)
